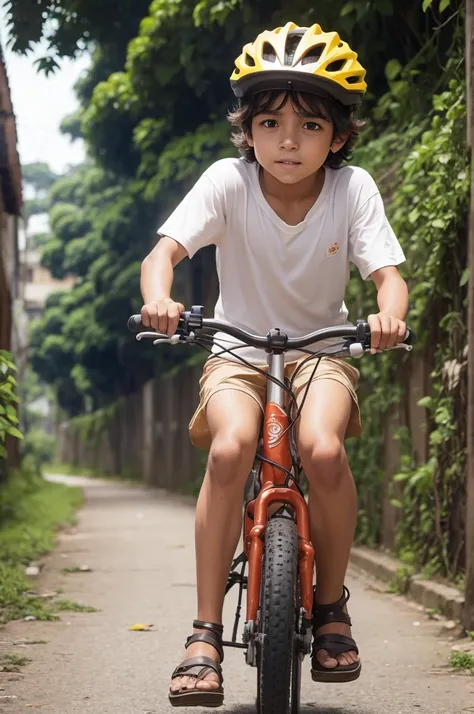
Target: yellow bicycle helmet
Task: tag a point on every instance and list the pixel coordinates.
(305, 59)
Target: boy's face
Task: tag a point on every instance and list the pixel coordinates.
(289, 144)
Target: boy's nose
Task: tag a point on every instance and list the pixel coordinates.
(288, 141)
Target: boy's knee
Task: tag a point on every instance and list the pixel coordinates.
(231, 457)
(323, 461)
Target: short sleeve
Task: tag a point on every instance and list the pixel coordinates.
(199, 219)
(372, 242)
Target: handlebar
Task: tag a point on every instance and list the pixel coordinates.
(274, 341)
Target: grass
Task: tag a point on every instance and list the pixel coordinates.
(15, 661)
(70, 606)
(127, 476)
(70, 470)
(31, 510)
(462, 660)
(401, 580)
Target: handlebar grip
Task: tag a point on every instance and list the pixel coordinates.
(410, 337)
(135, 324)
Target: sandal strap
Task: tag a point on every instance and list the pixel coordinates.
(332, 612)
(211, 626)
(210, 639)
(334, 644)
(198, 667)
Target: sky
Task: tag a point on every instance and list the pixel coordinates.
(40, 104)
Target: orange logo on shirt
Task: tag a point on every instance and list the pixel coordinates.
(332, 250)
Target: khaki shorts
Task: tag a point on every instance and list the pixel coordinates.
(220, 374)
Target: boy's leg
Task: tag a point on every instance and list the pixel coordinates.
(234, 421)
(332, 495)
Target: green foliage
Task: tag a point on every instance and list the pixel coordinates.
(442, 4)
(8, 400)
(15, 660)
(462, 660)
(71, 606)
(430, 155)
(38, 176)
(402, 579)
(30, 511)
(35, 207)
(38, 447)
(68, 27)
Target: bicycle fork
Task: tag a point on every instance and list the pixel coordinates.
(276, 449)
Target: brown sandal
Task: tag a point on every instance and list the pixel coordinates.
(199, 668)
(334, 644)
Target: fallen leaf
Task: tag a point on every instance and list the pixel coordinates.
(36, 706)
(140, 628)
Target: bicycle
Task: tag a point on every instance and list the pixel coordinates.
(278, 554)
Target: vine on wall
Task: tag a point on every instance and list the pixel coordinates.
(422, 168)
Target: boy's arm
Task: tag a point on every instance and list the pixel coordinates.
(388, 327)
(160, 311)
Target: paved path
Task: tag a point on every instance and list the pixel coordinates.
(139, 545)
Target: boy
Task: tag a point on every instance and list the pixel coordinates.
(287, 219)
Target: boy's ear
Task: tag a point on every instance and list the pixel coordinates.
(249, 139)
(339, 141)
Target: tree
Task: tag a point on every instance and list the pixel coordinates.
(72, 26)
(39, 177)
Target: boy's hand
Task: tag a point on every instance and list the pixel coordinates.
(162, 315)
(386, 331)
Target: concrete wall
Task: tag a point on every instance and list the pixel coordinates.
(405, 414)
(146, 437)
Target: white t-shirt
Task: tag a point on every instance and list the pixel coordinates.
(273, 274)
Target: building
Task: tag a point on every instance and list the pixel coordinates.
(10, 215)
(10, 212)
(37, 282)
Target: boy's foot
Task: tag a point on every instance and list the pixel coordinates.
(198, 680)
(335, 656)
(323, 656)
(211, 680)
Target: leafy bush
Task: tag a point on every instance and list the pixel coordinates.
(38, 447)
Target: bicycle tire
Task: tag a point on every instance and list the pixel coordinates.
(278, 616)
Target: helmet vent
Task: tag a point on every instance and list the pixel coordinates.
(354, 79)
(336, 66)
(314, 54)
(292, 42)
(268, 52)
(249, 61)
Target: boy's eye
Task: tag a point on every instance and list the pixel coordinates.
(312, 126)
(269, 123)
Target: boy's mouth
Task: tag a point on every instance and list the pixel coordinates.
(289, 163)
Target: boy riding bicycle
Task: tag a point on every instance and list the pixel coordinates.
(287, 220)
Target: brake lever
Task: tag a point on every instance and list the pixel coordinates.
(357, 350)
(159, 338)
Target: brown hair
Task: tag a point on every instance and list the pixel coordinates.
(340, 116)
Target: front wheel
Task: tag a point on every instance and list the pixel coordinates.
(277, 656)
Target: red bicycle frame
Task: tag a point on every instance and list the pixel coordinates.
(276, 448)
